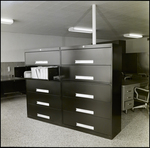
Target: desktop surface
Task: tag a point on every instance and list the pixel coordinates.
(10, 78)
(136, 79)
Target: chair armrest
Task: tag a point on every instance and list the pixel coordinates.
(128, 77)
(136, 88)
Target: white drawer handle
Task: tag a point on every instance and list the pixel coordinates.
(84, 61)
(42, 90)
(85, 77)
(84, 96)
(85, 111)
(129, 91)
(128, 97)
(85, 126)
(43, 116)
(42, 103)
(41, 62)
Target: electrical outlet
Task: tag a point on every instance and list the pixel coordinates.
(8, 68)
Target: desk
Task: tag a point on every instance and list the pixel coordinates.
(12, 84)
(127, 98)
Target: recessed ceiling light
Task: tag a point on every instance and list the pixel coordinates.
(133, 35)
(7, 21)
(82, 30)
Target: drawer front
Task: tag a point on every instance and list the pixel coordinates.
(129, 89)
(8, 86)
(44, 113)
(90, 107)
(88, 56)
(43, 86)
(87, 91)
(87, 73)
(128, 96)
(87, 122)
(128, 104)
(44, 100)
(42, 58)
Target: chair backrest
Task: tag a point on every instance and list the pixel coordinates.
(141, 94)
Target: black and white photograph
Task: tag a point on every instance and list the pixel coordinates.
(75, 74)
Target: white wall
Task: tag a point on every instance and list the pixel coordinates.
(13, 45)
(137, 45)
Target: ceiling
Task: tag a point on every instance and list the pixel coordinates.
(113, 18)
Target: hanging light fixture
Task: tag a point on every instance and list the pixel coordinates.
(7, 21)
(79, 29)
(133, 35)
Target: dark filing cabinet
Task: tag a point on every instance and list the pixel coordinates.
(44, 96)
(88, 95)
(91, 88)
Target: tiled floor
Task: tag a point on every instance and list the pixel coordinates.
(19, 131)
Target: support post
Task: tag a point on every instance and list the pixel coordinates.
(94, 24)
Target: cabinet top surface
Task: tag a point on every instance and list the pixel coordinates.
(42, 49)
(108, 45)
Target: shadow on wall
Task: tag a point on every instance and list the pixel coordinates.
(7, 68)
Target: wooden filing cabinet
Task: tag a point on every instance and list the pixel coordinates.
(128, 96)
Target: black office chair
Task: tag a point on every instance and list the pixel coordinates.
(141, 98)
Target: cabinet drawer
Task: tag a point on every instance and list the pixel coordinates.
(42, 58)
(127, 89)
(87, 73)
(87, 122)
(128, 96)
(13, 86)
(86, 90)
(128, 104)
(91, 107)
(44, 100)
(43, 86)
(44, 113)
(93, 57)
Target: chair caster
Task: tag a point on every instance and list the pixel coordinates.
(132, 109)
(125, 111)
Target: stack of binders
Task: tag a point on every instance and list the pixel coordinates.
(44, 72)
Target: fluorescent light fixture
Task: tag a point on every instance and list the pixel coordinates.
(132, 35)
(7, 21)
(82, 30)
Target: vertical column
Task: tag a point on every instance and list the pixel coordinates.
(94, 24)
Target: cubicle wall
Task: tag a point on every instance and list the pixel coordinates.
(141, 48)
(7, 68)
(143, 62)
